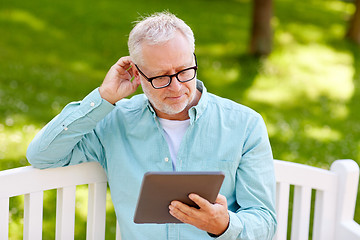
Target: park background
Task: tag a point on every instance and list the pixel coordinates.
(307, 88)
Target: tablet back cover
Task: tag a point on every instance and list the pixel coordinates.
(160, 188)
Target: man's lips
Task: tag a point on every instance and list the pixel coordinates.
(175, 97)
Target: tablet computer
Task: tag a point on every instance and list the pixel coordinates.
(158, 189)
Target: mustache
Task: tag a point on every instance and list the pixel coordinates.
(175, 94)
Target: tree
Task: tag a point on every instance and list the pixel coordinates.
(353, 32)
(261, 31)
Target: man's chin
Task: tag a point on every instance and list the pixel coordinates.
(173, 109)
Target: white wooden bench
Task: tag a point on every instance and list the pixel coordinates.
(333, 213)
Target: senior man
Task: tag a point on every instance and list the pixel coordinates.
(176, 125)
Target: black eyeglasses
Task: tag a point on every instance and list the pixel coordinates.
(163, 81)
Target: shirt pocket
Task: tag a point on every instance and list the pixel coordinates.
(229, 168)
(224, 165)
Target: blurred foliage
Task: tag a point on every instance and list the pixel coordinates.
(307, 90)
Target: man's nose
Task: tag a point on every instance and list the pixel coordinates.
(175, 85)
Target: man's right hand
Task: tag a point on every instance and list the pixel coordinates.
(120, 81)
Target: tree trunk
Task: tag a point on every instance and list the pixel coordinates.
(353, 32)
(261, 32)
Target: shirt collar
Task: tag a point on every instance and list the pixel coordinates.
(194, 112)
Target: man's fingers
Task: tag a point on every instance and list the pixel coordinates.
(201, 202)
(179, 212)
(221, 199)
(183, 208)
(123, 65)
(124, 62)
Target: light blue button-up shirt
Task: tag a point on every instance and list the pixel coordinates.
(127, 140)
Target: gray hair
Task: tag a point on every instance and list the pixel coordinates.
(157, 29)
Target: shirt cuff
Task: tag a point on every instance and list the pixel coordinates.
(234, 229)
(95, 101)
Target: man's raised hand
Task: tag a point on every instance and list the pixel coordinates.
(120, 81)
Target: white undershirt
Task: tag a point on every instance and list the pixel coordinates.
(174, 132)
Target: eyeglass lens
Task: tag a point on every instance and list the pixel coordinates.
(183, 76)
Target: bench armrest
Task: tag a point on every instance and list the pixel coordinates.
(349, 230)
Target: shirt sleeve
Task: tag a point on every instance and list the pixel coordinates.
(70, 138)
(255, 189)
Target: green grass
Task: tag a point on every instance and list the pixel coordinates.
(307, 90)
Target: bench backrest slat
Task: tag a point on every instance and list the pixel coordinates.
(65, 213)
(4, 218)
(301, 213)
(33, 215)
(325, 215)
(282, 208)
(118, 235)
(95, 229)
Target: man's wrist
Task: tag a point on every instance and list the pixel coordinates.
(104, 94)
(218, 235)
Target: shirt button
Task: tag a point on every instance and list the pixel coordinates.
(166, 159)
(92, 104)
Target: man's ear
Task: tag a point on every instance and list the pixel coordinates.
(135, 73)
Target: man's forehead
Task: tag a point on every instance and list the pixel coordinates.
(161, 62)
